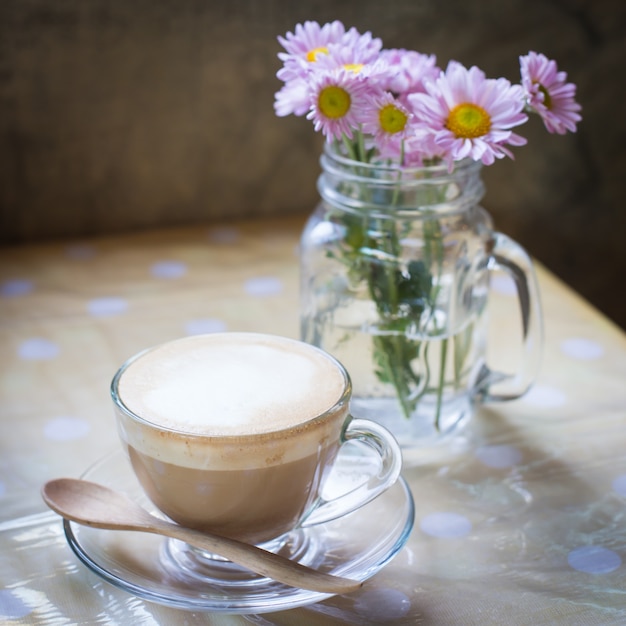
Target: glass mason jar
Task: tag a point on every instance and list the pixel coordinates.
(395, 270)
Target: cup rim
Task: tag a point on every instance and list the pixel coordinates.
(308, 424)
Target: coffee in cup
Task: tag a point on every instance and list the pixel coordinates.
(236, 433)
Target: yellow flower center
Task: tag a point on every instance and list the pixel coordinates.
(354, 67)
(468, 121)
(334, 102)
(311, 55)
(392, 119)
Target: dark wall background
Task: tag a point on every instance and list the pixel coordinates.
(122, 115)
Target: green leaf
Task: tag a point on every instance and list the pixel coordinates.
(414, 287)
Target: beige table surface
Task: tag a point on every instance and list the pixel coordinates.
(522, 520)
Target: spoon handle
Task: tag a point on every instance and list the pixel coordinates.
(259, 560)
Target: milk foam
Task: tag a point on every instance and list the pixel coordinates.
(231, 384)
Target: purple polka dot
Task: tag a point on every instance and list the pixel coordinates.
(38, 349)
(583, 349)
(16, 288)
(382, 605)
(499, 456)
(169, 270)
(545, 396)
(446, 525)
(66, 429)
(594, 560)
(12, 606)
(619, 485)
(263, 286)
(106, 307)
(503, 284)
(204, 326)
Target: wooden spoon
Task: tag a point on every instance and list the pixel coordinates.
(97, 506)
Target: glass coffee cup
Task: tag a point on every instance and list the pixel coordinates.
(238, 433)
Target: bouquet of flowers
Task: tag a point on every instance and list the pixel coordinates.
(397, 104)
(397, 108)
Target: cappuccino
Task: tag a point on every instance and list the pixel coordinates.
(231, 384)
(232, 428)
(235, 433)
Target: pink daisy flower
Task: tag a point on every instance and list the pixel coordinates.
(388, 122)
(338, 101)
(358, 56)
(471, 116)
(420, 148)
(294, 97)
(361, 59)
(309, 42)
(408, 71)
(549, 94)
(364, 44)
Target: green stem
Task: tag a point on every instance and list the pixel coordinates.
(441, 382)
(351, 148)
(361, 147)
(391, 348)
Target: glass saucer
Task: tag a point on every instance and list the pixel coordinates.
(355, 546)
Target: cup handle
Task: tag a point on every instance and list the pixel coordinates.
(508, 256)
(383, 443)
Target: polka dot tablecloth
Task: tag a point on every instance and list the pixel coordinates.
(519, 520)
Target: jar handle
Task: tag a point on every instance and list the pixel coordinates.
(376, 478)
(508, 256)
